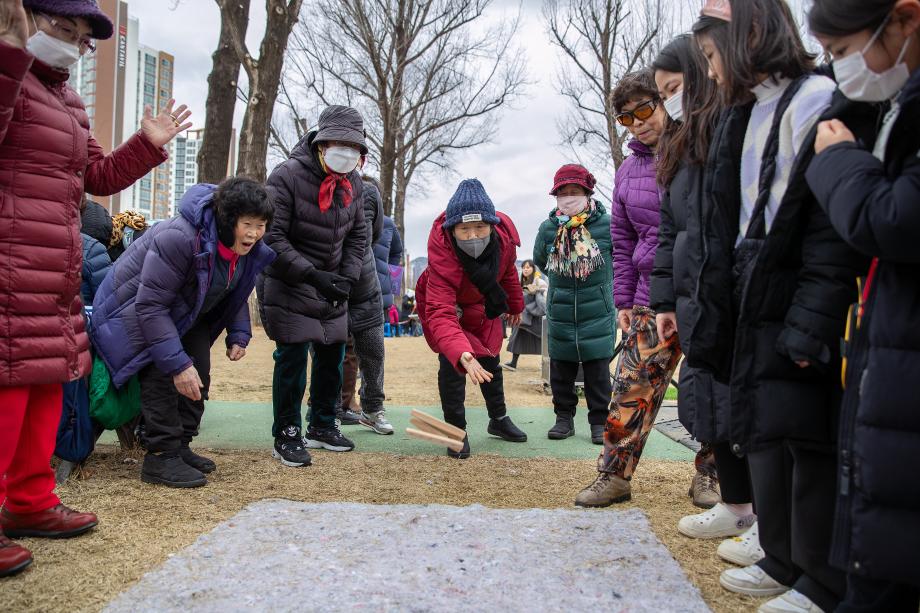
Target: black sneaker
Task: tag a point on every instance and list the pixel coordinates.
(463, 453)
(505, 429)
(327, 438)
(347, 418)
(169, 469)
(203, 464)
(290, 450)
(597, 434)
(564, 428)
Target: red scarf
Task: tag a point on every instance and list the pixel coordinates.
(228, 255)
(327, 189)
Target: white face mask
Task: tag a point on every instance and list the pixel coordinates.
(53, 51)
(861, 84)
(675, 105)
(341, 160)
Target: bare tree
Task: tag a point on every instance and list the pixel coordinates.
(222, 90)
(600, 41)
(263, 76)
(427, 75)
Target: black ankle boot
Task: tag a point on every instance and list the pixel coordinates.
(597, 434)
(505, 429)
(203, 464)
(564, 428)
(168, 468)
(463, 453)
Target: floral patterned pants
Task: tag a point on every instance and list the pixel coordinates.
(643, 373)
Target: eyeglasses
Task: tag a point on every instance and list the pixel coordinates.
(68, 33)
(641, 112)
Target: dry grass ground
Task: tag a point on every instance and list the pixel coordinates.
(141, 525)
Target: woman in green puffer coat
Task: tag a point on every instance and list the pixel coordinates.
(574, 250)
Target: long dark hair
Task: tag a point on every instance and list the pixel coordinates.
(762, 38)
(533, 275)
(687, 141)
(845, 17)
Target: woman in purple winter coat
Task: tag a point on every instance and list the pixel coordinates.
(645, 366)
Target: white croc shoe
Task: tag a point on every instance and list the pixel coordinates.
(790, 602)
(717, 522)
(751, 581)
(742, 550)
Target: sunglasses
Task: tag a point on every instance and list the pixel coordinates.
(642, 112)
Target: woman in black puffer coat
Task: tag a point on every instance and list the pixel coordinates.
(319, 236)
(873, 201)
(703, 403)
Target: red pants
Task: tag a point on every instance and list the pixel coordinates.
(29, 419)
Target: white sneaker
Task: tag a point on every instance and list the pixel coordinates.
(743, 550)
(751, 581)
(790, 602)
(717, 522)
(377, 422)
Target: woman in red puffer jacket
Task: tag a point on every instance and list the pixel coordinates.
(470, 284)
(48, 158)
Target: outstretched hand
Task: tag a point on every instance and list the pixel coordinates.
(14, 25)
(164, 127)
(474, 369)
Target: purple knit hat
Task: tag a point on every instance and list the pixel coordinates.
(87, 9)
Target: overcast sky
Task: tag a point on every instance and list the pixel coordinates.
(517, 169)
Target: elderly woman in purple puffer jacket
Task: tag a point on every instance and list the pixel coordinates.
(645, 366)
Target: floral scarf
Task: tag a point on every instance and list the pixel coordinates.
(575, 253)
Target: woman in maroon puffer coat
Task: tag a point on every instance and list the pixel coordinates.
(48, 158)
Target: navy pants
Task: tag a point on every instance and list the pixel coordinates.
(289, 384)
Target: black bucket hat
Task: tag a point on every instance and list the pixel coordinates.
(341, 123)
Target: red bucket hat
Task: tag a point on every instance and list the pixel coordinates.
(573, 174)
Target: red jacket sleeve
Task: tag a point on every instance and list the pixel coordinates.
(109, 174)
(441, 325)
(14, 65)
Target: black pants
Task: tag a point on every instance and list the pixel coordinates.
(170, 419)
(794, 489)
(289, 384)
(734, 475)
(866, 595)
(597, 389)
(452, 387)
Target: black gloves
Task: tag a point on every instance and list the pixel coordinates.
(334, 288)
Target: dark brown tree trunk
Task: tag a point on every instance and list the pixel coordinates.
(399, 199)
(264, 77)
(214, 155)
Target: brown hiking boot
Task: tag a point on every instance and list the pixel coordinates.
(606, 490)
(704, 490)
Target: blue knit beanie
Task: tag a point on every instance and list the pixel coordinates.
(470, 203)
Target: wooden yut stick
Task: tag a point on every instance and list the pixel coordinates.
(437, 426)
(450, 443)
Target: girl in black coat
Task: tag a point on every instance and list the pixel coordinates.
(703, 404)
(776, 280)
(873, 200)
